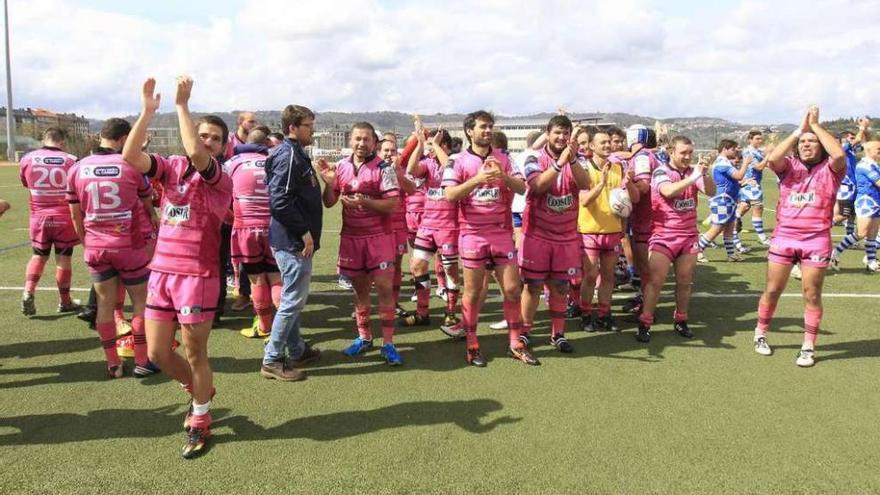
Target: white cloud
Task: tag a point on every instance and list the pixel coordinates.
(757, 62)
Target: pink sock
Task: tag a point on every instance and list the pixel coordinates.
(140, 340)
(469, 322)
(118, 314)
(202, 421)
(679, 316)
(107, 333)
(527, 328)
(262, 297)
(451, 300)
(812, 320)
(646, 319)
(765, 314)
(33, 272)
(62, 281)
(557, 315)
(423, 297)
(604, 310)
(276, 294)
(362, 317)
(440, 272)
(513, 316)
(386, 319)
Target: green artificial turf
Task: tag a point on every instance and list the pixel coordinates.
(706, 415)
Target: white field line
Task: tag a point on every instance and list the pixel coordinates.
(698, 295)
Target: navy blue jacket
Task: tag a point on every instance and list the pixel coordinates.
(294, 197)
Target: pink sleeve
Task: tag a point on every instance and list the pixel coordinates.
(25, 164)
(452, 176)
(71, 186)
(388, 184)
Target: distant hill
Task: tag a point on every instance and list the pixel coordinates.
(705, 131)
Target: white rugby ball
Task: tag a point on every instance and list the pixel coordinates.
(620, 203)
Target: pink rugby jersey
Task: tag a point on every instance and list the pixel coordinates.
(193, 208)
(375, 179)
(487, 206)
(675, 216)
(806, 197)
(398, 216)
(439, 214)
(44, 172)
(415, 202)
(553, 215)
(250, 194)
(643, 164)
(108, 190)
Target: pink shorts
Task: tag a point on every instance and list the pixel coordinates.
(359, 256)
(810, 250)
(596, 245)
(540, 259)
(401, 239)
(486, 249)
(130, 265)
(47, 231)
(673, 246)
(432, 241)
(250, 245)
(413, 222)
(185, 298)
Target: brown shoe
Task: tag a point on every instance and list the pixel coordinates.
(309, 356)
(278, 371)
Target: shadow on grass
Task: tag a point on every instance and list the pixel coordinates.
(39, 348)
(43, 429)
(468, 415)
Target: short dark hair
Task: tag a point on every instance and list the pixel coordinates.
(651, 142)
(456, 144)
(277, 135)
(470, 120)
(532, 137)
(593, 131)
(753, 133)
(844, 134)
(258, 136)
(262, 128)
(365, 126)
(445, 138)
(499, 140)
(613, 130)
(726, 144)
(115, 129)
(680, 139)
(293, 115)
(54, 134)
(559, 121)
(214, 120)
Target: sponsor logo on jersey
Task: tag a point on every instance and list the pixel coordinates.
(51, 160)
(107, 171)
(435, 194)
(174, 214)
(486, 194)
(560, 204)
(684, 204)
(801, 200)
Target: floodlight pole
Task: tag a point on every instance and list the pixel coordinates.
(10, 119)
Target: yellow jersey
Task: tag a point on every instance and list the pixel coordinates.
(597, 217)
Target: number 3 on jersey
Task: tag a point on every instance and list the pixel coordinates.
(104, 195)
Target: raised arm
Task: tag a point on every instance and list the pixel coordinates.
(132, 151)
(776, 158)
(412, 167)
(829, 142)
(197, 152)
(328, 175)
(674, 189)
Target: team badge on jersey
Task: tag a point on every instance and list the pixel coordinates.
(867, 207)
(722, 209)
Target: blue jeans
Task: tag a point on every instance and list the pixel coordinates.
(296, 274)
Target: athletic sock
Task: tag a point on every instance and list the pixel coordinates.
(422, 285)
(386, 320)
(276, 294)
(737, 242)
(62, 281)
(812, 320)
(107, 333)
(679, 316)
(513, 316)
(765, 314)
(451, 300)
(439, 272)
(758, 225)
(703, 243)
(850, 226)
(646, 319)
(557, 314)
(604, 310)
(33, 272)
(871, 249)
(729, 246)
(201, 415)
(845, 244)
(469, 322)
(139, 337)
(362, 320)
(262, 298)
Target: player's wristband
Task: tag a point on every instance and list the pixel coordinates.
(695, 176)
(557, 167)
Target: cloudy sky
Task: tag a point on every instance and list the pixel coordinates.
(745, 60)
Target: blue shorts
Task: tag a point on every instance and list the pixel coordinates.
(722, 209)
(753, 195)
(517, 220)
(867, 207)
